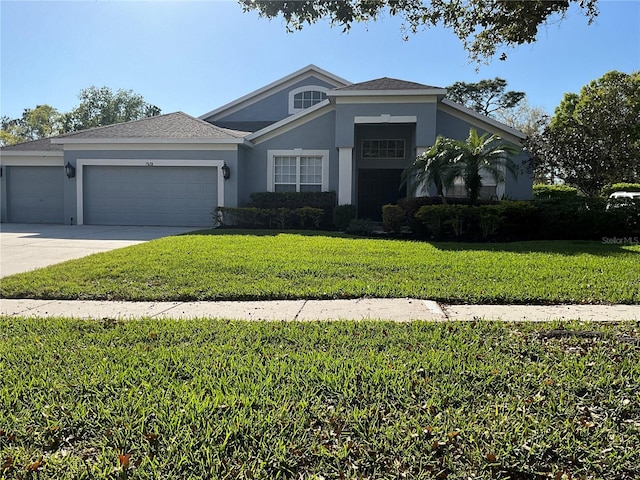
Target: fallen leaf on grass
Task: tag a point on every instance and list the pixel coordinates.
(32, 467)
(490, 457)
(124, 460)
(7, 464)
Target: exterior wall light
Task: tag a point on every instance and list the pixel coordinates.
(226, 171)
(70, 170)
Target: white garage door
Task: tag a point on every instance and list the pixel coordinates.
(133, 195)
(35, 194)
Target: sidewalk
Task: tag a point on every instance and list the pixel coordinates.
(400, 310)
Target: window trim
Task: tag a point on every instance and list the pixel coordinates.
(305, 88)
(404, 148)
(297, 152)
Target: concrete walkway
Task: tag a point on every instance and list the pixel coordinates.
(400, 310)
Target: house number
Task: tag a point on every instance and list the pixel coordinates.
(149, 164)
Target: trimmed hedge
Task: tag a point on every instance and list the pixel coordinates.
(280, 218)
(393, 218)
(548, 192)
(620, 187)
(343, 215)
(579, 219)
(295, 200)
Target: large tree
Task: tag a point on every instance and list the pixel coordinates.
(486, 96)
(101, 106)
(483, 26)
(39, 122)
(594, 136)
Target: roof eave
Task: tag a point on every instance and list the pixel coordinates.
(485, 119)
(139, 140)
(385, 93)
(30, 153)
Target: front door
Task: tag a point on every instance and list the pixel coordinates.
(377, 187)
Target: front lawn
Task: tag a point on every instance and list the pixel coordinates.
(267, 265)
(209, 399)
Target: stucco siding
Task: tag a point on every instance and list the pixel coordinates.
(317, 134)
(272, 108)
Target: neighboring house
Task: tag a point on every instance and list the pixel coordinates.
(309, 131)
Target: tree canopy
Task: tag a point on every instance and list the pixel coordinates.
(483, 26)
(593, 138)
(98, 107)
(486, 96)
(101, 106)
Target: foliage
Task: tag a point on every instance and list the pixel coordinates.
(101, 106)
(530, 120)
(594, 137)
(342, 216)
(483, 26)
(546, 192)
(486, 96)
(561, 217)
(262, 265)
(433, 166)
(279, 218)
(294, 200)
(619, 187)
(449, 158)
(362, 227)
(39, 122)
(393, 218)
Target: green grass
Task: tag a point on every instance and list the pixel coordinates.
(211, 399)
(266, 265)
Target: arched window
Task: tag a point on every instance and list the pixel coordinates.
(305, 97)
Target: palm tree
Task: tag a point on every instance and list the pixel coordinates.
(435, 165)
(481, 153)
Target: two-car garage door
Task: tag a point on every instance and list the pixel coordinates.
(149, 195)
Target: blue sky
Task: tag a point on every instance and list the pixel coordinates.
(195, 56)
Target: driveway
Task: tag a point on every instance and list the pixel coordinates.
(25, 247)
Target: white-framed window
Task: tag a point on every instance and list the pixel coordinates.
(383, 149)
(298, 170)
(304, 97)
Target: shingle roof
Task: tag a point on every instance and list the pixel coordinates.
(176, 125)
(386, 83)
(42, 145)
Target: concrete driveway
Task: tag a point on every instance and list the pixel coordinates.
(25, 247)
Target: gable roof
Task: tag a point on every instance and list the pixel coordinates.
(386, 86)
(305, 72)
(386, 83)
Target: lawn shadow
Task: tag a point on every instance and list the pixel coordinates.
(605, 248)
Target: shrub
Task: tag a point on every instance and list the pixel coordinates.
(443, 221)
(342, 216)
(362, 227)
(294, 200)
(280, 218)
(393, 218)
(620, 187)
(547, 192)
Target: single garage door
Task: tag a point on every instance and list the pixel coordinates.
(35, 194)
(128, 195)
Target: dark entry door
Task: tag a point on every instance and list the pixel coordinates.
(377, 187)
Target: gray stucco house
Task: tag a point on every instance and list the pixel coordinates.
(308, 131)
